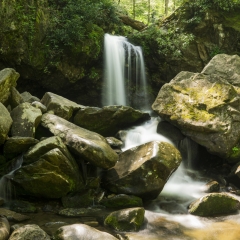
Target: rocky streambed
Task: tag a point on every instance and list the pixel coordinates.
(64, 174)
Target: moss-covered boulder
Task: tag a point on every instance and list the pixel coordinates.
(5, 123)
(110, 119)
(25, 120)
(205, 106)
(130, 219)
(59, 106)
(214, 204)
(17, 145)
(8, 79)
(81, 232)
(89, 145)
(29, 231)
(143, 170)
(53, 175)
(122, 201)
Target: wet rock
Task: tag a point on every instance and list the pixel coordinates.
(25, 120)
(30, 231)
(8, 79)
(80, 212)
(81, 232)
(214, 204)
(59, 106)
(43, 147)
(53, 175)
(40, 106)
(212, 186)
(88, 145)
(130, 219)
(114, 142)
(5, 123)
(13, 216)
(122, 201)
(17, 145)
(108, 120)
(22, 207)
(4, 228)
(234, 175)
(143, 170)
(205, 106)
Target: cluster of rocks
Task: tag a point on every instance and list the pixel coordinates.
(53, 148)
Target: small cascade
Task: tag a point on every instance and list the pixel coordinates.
(7, 191)
(124, 75)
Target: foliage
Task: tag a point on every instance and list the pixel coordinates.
(165, 42)
(80, 25)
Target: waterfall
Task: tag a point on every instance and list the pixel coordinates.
(124, 73)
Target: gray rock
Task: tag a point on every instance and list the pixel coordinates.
(89, 145)
(22, 206)
(81, 232)
(8, 79)
(27, 97)
(234, 175)
(114, 142)
(225, 66)
(53, 175)
(130, 219)
(13, 216)
(214, 204)
(15, 98)
(25, 120)
(30, 231)
(35, 152)
(143, 170)
(4, 228)
(80, 212)
(59, 106)
(5, 123)
(40, 106)
(108, 120)
(205, 108)
(17, 145)
(212, 186)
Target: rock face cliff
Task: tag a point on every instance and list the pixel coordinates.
(187, 40)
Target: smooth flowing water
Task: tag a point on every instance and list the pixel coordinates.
(124, 73)
(167, 216)
(6, 189)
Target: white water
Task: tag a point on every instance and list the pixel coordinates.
(124, 73)
(6, 189)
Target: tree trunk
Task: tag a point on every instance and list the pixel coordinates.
(134, 11)
(166, 6)
(149, 10)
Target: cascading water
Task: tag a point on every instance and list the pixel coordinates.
(6, 188)
(167, 216)
(124, 76)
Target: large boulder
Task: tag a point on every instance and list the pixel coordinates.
(81, 232)
(143, 171)
(4, 228)
(89, 145)
(5, 123)
(214, 204)
(206, 106)
(8, 79)
(59, 106)
(53, 175)
(110, 119)
(29, 231)
(25, 120)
